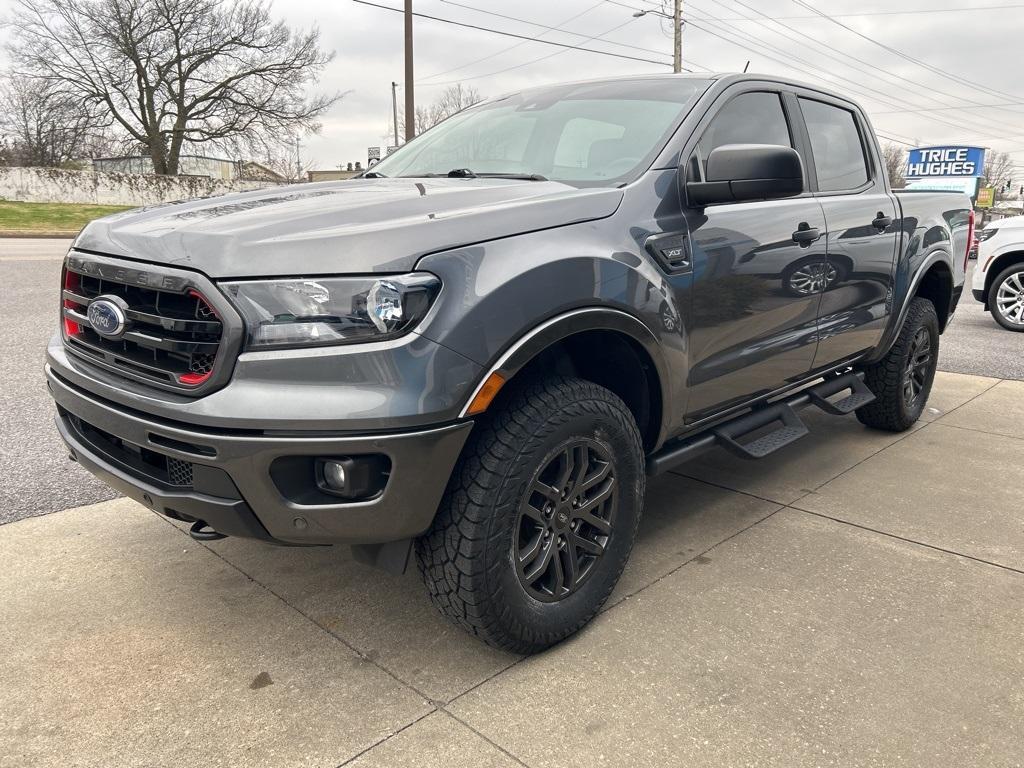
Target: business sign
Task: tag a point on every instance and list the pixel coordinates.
(930, 162)
(986, 197)
(372, 153)
(968, 185)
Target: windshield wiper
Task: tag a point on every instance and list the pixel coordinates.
(466, 173)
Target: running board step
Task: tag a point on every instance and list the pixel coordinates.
(859, 395)
(791, 430)
(729, 434)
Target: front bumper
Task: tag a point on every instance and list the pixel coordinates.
(231, 483)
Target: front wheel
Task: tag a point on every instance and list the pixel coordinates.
(902, 380)
(1007, 298)
(539, 517)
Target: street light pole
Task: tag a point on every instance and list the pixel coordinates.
(410, 101)
(394, 109)
(677, 31)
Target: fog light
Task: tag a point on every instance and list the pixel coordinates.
(334, 475)
(353, 477)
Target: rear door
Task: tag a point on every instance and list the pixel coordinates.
(862, 221)
(748, 335)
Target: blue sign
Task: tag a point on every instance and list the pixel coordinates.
(928, 162)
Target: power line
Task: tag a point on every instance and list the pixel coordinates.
(513, 34)
(511, 47)
(906, 56)
(855, 87)
(534, 61)
(878, 71)
(918, 12)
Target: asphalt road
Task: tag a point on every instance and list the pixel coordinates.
(36, 477)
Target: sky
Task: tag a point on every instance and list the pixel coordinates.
(927, 71)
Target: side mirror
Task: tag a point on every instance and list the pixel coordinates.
(741, 172)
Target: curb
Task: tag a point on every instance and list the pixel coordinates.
(40, 233)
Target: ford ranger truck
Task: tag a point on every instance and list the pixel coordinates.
(478, 352)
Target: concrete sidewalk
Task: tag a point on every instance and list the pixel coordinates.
(857, 599)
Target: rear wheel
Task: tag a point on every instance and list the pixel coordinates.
(539, 517)
(902, 380)
(1006, 302)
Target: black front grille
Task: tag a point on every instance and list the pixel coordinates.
(140, 461)
(179, 472)
(171, 337)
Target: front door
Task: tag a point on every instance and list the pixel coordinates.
(863, 231)
(751, 330)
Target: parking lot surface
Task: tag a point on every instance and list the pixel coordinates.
(856, 599)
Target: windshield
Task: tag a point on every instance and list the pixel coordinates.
(591, 134)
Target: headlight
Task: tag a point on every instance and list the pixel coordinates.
(331, 310)
(985, 234)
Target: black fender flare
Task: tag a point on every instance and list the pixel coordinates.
(555, 329)
(939, 255)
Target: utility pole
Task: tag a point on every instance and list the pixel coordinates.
(677, 31)
(677, 40)
(394, 109)
(410, 100)
(298, 160)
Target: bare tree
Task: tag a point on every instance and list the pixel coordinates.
(454, 99)
(172, 73)
(45, 124)
(895, 158)
(998, 172)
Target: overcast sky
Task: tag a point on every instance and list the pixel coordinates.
(982, 46)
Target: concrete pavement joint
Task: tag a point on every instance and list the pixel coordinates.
(624, 598)
(682, 565)
(731, 490)
(907, 540)
(490, 741)
(898, 440)
(386, 738)
(304, 615)
(979, 431)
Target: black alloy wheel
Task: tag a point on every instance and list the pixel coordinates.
(919, 363)
(565, 520)
(539, 516)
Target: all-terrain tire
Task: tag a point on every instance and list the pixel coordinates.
(1013, 278)
(892, 410)
(469, 559)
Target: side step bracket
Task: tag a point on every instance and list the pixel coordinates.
(790, 430)
(859, 395)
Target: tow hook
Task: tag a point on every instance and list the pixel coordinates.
(201, 531)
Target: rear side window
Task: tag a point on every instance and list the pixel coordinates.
(582, 137)
(836, 146)
(751, 118)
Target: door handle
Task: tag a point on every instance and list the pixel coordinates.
(805, 234)
(881, 221)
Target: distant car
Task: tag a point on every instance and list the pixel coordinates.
(998, 281)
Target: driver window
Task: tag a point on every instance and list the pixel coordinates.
(755, 117)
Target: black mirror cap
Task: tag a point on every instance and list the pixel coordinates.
(742, 172)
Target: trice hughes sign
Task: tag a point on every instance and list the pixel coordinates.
(931, 162)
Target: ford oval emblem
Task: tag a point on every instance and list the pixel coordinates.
(106, 317)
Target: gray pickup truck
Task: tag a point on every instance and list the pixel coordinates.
(480, 350)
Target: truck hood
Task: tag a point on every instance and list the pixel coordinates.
(356, 227)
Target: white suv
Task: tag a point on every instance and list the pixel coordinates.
(998, 281)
